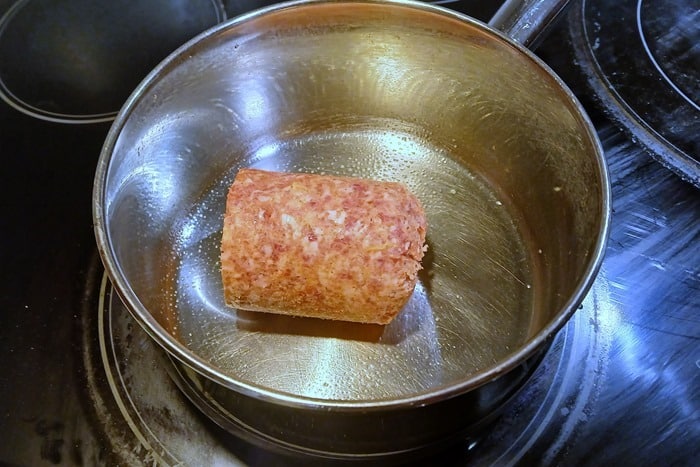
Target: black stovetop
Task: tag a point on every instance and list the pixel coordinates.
(621, 383)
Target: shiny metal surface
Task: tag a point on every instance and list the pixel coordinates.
(527, 21)
(507, 167)
(368, 97)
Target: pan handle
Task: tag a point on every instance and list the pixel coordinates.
(527, 21)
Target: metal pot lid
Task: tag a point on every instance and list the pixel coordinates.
(76, 61)
(641, 60)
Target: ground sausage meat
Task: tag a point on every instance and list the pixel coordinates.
(321, 246)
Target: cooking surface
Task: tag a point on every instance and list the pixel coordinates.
(641, 62)
(78, 74)
(83, 385)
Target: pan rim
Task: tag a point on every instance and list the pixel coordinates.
(423, 398)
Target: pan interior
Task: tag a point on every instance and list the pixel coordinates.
(493, 147)
(472, 307)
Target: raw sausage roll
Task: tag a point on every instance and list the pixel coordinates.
(321, 246)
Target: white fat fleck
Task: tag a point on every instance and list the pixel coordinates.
(261, 214)
(310, 247)
(291, 222)
(358, 228)
(261, 282)
(336, 217)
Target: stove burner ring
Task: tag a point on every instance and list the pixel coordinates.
(148, 419)
(77, 61)
(646, 43)
(640, 60)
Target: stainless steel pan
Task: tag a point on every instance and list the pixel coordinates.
(499, 151)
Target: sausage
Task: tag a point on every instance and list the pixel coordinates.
(321, 246)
